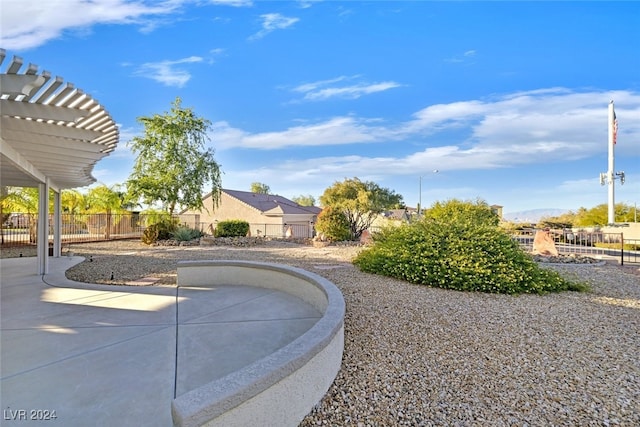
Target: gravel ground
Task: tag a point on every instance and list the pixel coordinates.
(420, 356)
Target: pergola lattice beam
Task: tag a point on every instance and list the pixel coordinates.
(49, 129)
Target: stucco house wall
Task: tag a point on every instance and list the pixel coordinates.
(269, 215)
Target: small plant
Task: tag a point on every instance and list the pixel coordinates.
(232, 228)
(161, 230)
(333, 225)
(150, 235)
(185, 234)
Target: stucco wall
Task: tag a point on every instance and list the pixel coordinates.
(630, 230)
(231, 208)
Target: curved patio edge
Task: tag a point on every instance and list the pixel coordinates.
(282, 388)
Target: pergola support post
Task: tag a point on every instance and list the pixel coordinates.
(43, 228)
(57, 225)
(51, 136)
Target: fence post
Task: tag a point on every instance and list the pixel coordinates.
(621, 248)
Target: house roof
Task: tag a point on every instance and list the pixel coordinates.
(50, 131)
(272, 204)
(399, 214)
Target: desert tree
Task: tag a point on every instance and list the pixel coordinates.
(360, 201)
(260, 188)
(173, 165)
(303, 200)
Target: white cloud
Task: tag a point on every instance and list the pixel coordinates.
(168, 72)
(464, 57)
(305, 4)
(272, 22)
(314, 86)
(440, 116)
(30, 23)
(214, 54)
(234, 3)
(325, 89)
(338, 130)
(535, 132)
(351, 92)
(527, 127)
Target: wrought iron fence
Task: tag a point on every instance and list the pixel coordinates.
(587, 243)
(274, 231)
(631, 251)
(279, 231)
(22, 229)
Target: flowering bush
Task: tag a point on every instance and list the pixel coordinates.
(458, 245)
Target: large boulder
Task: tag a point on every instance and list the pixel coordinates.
(543, 244)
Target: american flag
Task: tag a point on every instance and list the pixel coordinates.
(615, 127)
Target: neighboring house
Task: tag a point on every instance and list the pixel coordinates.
(394, 217)
(398, 216)
(267, 214)
(497, 209)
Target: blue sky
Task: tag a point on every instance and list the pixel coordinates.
(507, 100)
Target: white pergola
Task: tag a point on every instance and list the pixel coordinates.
(51, 137)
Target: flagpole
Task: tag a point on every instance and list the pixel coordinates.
(611, 171)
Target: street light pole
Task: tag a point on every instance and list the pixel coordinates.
(420, 198)
(420, 195)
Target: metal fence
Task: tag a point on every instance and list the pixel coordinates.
(282, 231)
(586, 243)
(22, 229)
(631, 251)
(274, 231)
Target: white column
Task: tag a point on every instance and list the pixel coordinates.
(57, 225)
(611, 171)
(43, 228)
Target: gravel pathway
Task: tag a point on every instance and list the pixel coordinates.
(420, 356)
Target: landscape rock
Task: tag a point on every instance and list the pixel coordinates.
(543, 244)
(421, 356)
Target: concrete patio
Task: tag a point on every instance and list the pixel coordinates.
(118, 356)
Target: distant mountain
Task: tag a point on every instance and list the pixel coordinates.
(533, 215)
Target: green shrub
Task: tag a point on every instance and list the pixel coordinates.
(185, 234)
(458, 246)
(161, 230)
(333, 224)
(232, 228)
